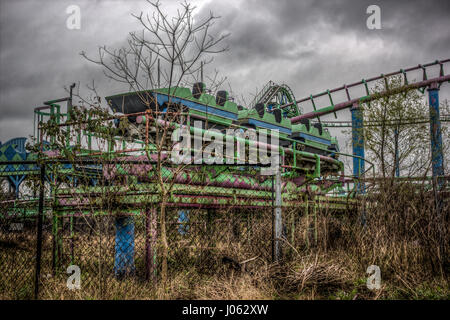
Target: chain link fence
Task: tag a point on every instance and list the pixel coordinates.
(116, 229)
(110, 230)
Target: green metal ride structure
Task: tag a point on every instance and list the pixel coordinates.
(135, 158)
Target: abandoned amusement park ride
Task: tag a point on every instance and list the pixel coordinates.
(310, 162)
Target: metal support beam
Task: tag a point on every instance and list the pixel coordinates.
(201, 71)
(437, 157)
(124, 248)
(358, 143)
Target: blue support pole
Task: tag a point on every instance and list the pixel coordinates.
(437, 157)
(358, 143)
(124, 248)
(16, 181)
(11, 185)
(183, 220)
(17, 190)
(358, 150)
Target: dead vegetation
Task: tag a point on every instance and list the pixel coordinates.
(402, 235)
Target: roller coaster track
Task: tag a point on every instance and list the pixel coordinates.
(370, 96)
(278, 93)
(283, 95)
(393, 122)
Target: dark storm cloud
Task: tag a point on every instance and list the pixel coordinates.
(39, 56)
(309, 45)
(309, 38)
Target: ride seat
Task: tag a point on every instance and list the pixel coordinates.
(198, 89)
(260, 109)
(221, 97)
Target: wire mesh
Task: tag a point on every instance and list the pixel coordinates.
(120, 229)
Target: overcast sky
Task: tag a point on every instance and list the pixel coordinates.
(309, 45)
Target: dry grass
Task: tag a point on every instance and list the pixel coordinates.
(403, 236)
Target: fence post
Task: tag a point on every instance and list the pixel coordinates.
(316, 206)
(277, 219)
(72, 234)
(210, 229)
(39, 232)
(150, 244)
(57, 241)
(440, 223)
(307, 229)
(273, 218)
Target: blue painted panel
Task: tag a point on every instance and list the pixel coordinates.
(162, 98)
(9, 153)
(19, 144)
(316, 139)
(266, 125)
